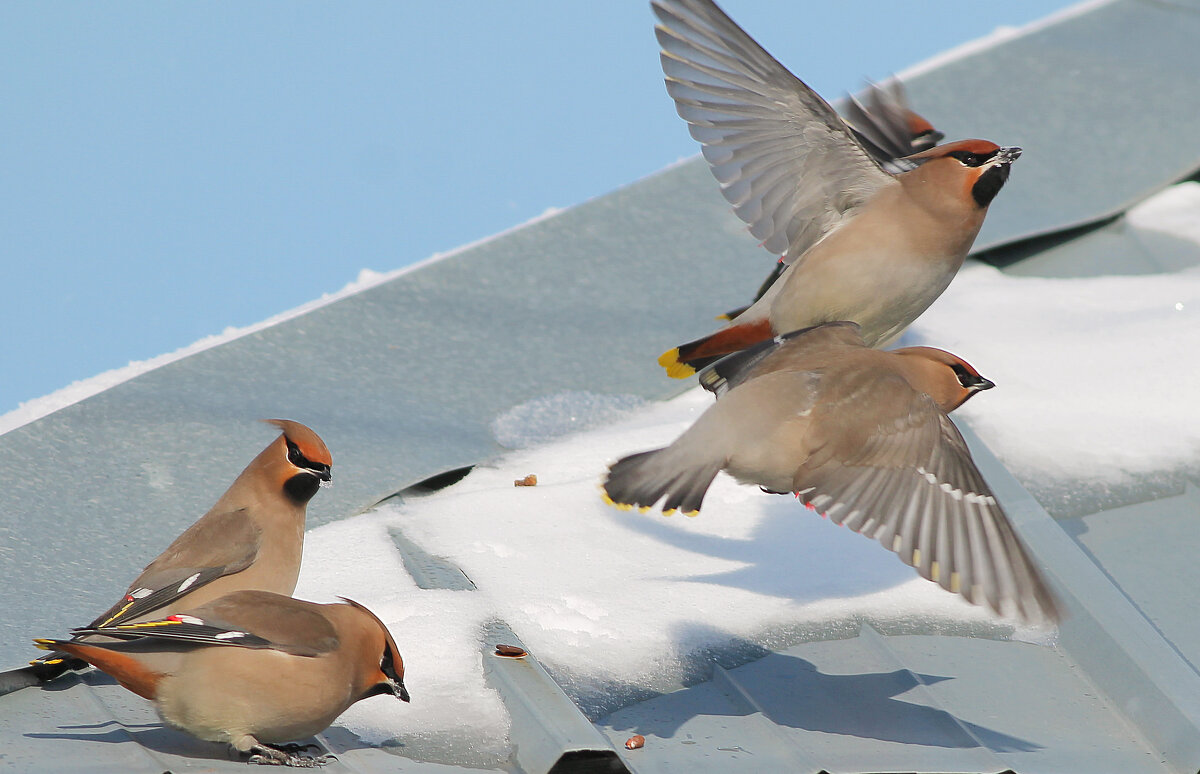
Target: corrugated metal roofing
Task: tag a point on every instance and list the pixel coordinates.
(895, 703)
(1104, 105)
(404, 379)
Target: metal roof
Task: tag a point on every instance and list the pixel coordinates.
(1103, 102)
(404, 379)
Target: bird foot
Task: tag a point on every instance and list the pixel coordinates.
(288, 755)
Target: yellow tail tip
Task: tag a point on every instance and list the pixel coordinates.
(609, 501)
(676, 370)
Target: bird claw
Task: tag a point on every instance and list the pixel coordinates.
(295, 747)
(288, 755)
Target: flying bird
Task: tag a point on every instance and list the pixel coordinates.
(862, 436)
(888, 129)
(252, 668)
(861, 242)
(252, 538)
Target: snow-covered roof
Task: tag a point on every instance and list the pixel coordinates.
(755, 637)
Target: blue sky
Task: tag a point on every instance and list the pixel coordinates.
(171, 169)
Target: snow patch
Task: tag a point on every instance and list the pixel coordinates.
(549, 417)
(1095, 377)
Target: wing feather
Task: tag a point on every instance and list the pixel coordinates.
(759, 125)
(243, 619)
(911, 485)
(218, 544)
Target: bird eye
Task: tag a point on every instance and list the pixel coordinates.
(971, 159)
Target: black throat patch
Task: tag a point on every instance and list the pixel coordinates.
(989, 184)
(301, 487)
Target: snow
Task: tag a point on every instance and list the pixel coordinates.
(615, 604)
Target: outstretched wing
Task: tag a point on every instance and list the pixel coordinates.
(911, 484)
(784, 159)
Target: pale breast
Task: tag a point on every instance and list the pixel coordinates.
(879, 273)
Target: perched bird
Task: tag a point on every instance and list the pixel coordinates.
(251, 668)
(888, 129)
(861, 243)
(251, 539)
(863, 437)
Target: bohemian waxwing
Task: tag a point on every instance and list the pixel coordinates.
(861, 243)
(861, 436)
(888, 129)
(251, 668)
(251, 539)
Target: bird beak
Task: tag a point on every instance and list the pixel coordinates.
(398, 690)
(1008, 155)
(982, 383)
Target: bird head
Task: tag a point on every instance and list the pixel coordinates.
(307, 464)
(980, 166)
(946, 378)
(383, 666)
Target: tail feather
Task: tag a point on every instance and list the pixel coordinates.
(684, 360)
(732, 313)
(106, 657)
(644, 478)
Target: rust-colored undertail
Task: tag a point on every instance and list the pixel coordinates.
(686, 359)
